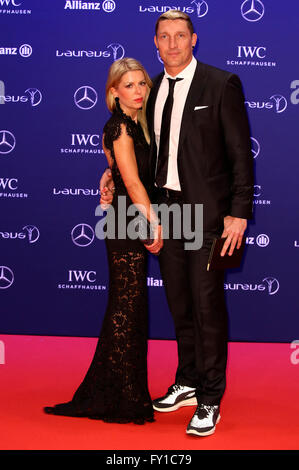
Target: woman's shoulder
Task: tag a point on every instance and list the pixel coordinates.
(117, 123)
(114, 120)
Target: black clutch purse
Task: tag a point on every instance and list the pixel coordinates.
(216, 261)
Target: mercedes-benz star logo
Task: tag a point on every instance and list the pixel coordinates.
(252, 10)
(6, 277)
(202, 7)
(7, 142)
(85, 97)
(82, 235)
(255, 147)
(117, 50)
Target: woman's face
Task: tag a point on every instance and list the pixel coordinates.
(131, 91)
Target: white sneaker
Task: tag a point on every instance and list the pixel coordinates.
(176, 396)
(204, 420)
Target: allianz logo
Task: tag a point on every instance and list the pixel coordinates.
(30, 233)
(278, 104)
(76, 192)
(153, 282)
(79, 5)
(107, 5)
(269, 285)
(25, 50)
(262, 240)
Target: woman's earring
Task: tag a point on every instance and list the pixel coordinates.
(117, 102)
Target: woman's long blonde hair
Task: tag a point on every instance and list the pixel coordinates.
(116, 71)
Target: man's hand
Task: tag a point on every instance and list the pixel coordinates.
(106, 188)
(234, 228)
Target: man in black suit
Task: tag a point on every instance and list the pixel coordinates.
(200, 154)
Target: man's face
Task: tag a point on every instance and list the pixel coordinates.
(175, 43)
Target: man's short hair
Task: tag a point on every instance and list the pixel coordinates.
(175, 15)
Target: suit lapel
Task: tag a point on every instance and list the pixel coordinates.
(151, 104)
(196, 89)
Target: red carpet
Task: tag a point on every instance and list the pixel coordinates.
(260, 409)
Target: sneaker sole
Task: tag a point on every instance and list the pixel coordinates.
(189, 402)
(206, 433)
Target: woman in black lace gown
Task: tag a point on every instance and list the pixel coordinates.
(115, 387)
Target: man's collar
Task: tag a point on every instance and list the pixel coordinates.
(186, 73)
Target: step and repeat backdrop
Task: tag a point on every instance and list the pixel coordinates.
(54, 58)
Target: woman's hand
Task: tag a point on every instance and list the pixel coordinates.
(157, 245)
(106, 189)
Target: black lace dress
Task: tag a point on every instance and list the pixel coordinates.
(115, 387)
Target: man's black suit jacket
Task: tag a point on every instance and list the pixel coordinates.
(215, 162)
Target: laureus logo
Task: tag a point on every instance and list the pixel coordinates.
(33, 233)
(159, 57)
(255, 147)
(276, 102)
(272, 285)
(280, 103)
(35, 96)
(118, 51)
(269, 285)
(202, 8)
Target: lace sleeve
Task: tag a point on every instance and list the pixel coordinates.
(113, 130)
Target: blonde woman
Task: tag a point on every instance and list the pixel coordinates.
(115, 387)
